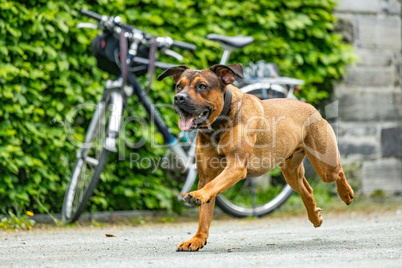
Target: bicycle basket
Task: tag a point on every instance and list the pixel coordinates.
(106, 49)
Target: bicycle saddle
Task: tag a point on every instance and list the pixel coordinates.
(238, 41)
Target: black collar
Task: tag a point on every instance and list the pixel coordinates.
(225, 110)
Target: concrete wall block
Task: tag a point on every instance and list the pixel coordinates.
(391, 6)
(341, 89)
(391, 139)
(369, 106)
(358, 146)
(379, 32)
(382, 174)
(357, 129)
(359, 6)
(376, 57)
(371, 76)
(345, 26)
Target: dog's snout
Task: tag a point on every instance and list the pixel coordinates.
(180, 98)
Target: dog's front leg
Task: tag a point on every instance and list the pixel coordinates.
(199, 240)
(237, 151)
(215, 180)
(205, 198)
(206, 211)
(229, 177)
(224, 181)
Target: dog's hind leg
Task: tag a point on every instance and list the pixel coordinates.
(345, 191)
(293, 171)
(336, 174)
(322, 151)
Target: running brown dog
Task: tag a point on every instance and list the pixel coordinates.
(248, 137)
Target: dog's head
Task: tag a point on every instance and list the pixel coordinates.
(200, 93)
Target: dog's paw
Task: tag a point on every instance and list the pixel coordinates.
(194, 244)
(318, 222)
(345, 193)
(315, 217)
(195, 198)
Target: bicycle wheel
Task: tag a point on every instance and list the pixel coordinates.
(255, 197)
(262, 195)
(91, 159)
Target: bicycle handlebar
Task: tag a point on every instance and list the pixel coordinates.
(91, 14)
(112, 22)
(184, 45)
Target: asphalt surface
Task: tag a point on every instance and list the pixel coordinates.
(344, 240)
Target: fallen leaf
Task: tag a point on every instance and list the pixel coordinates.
(111, 235)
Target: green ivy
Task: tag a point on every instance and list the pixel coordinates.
(46, 69)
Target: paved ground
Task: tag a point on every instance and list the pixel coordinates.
(344, 240)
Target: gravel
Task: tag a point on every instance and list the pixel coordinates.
(344, 240)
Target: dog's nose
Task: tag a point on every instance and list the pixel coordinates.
(180, 98)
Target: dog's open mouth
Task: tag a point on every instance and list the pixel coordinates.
(189, 121)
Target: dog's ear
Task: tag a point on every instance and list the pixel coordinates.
(175, 71)
(228, 73)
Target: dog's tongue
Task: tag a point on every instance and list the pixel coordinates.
(185, 123)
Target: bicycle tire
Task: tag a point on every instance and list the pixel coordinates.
(260, 211)
(93, 155)
(70, 216)
(240, 211)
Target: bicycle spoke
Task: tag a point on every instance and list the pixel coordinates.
(253, 197)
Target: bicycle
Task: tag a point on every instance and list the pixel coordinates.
(92, 157)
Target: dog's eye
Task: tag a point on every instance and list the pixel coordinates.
(179, 87)
(202, 86)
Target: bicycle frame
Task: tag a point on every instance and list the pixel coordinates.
(117, 100)
(227, 50)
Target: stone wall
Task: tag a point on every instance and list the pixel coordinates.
(369, 97)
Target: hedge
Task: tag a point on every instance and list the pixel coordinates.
(46, 69)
